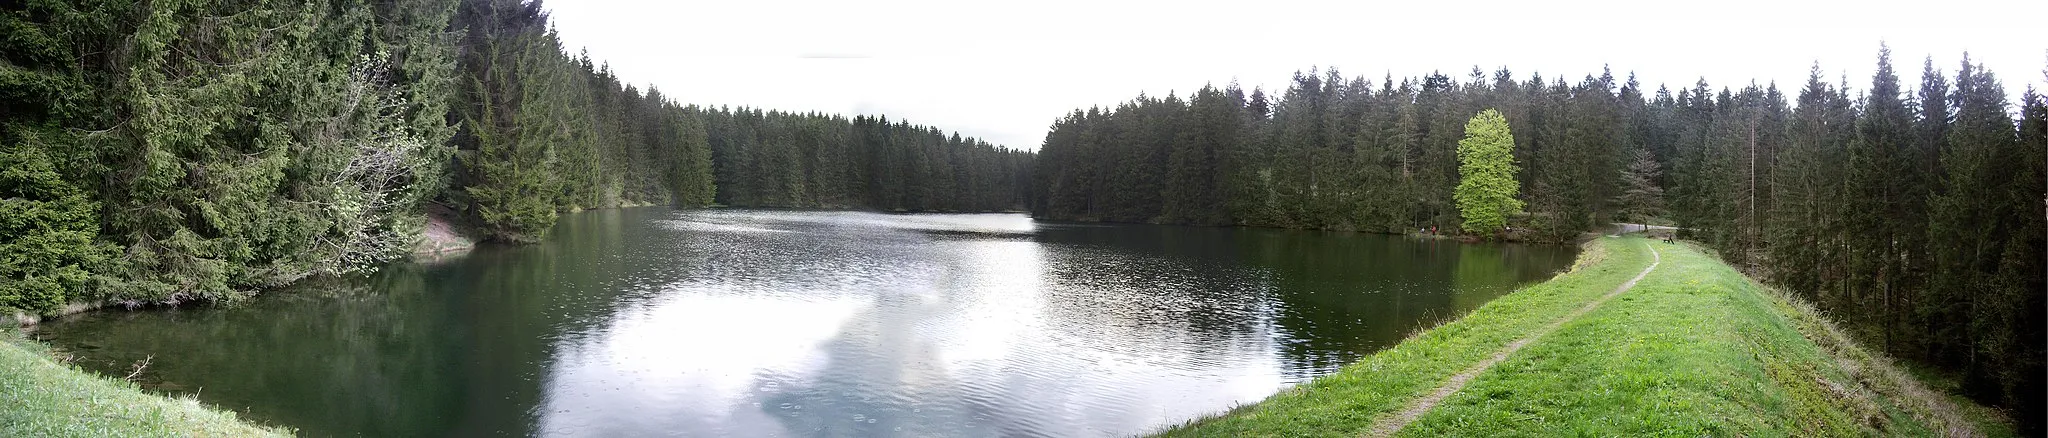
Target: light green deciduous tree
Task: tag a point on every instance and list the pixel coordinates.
(1486, 174)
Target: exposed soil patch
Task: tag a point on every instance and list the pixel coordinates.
(443, 233)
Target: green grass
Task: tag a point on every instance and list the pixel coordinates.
(1348, 401)
(1695, 349)
(40, 397)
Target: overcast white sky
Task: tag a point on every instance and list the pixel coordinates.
(1004, 71)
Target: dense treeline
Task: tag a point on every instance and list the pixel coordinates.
(1916, 217)
(1339, 153)
(777, 159)
(194, 150)
(187, 150)
(182, 150)
(541, 131)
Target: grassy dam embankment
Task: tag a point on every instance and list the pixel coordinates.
(1693, 348)
(41, 397)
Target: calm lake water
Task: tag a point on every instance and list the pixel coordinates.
(657, 322)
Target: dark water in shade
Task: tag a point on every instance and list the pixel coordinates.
(655, 322)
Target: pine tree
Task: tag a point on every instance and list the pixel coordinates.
(50, 243)
(2023, 263)
(1971, 218)
(51, 252)
(1880, 209)
(1881, 215)
(1641, 199)
(1702, 182)
(519, 94)
(692, 179)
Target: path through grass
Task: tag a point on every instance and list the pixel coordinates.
(1391, 425)
(1349, 401)
(1694, 349)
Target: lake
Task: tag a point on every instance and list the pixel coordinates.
(659, 322)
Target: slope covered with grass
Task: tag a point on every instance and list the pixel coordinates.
(40, 397)
(1693, 349)
(1347, 402)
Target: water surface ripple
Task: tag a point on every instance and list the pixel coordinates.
(656, 322)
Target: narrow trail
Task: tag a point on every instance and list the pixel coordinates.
(1415, 410)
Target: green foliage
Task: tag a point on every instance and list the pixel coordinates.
(776, 159)
(518, 117)
(1641, 199)
(1915, 216)
(541, 131)
(50, 249)
(262, 144)
(1486, 174)
(176, 151)
(1985, 221)
(224, 147)
(692, 179)
(50, 252)
(1334, 153)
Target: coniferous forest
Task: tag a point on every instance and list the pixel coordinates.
(182, 151)
(196, 151)
(1911, 212)
(777, 159)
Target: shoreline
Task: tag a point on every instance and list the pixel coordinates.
(1515, 237)
(1693, 328)
(49, 397)
(444, 234)
(1696, 348)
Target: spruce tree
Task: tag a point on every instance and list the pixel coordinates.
(1973, 216)
(518, 93)
(1883, 217)
(1641, 200)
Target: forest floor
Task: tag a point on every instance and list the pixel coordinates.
(443, 233)
(41, 397)
(1691, 348)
